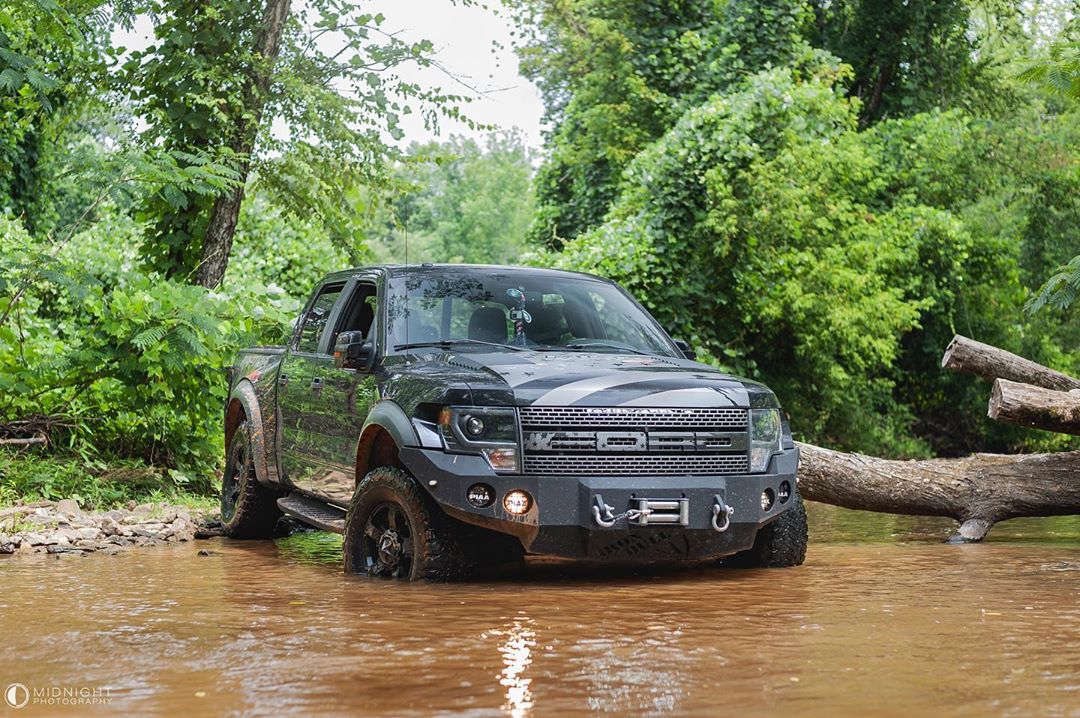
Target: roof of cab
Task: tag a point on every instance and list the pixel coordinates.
(397, 270)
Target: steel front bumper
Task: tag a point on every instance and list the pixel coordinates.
(562, 521)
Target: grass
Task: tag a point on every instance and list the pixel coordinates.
(95, 484)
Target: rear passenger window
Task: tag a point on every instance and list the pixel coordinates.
(316, 319)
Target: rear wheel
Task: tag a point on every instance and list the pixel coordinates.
(780, 544)
(394, 530)
(248, 509)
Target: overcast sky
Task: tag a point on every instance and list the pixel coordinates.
(473, 43)
(463, 38)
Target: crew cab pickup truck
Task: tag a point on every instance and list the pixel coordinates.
(444, 417)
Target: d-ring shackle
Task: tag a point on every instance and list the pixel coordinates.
(718, 508)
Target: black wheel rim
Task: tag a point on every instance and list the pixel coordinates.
(386, 548)
(232, 481)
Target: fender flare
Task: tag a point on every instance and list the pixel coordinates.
(244, 393)
(390, 416)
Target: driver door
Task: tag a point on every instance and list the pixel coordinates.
(342, 399)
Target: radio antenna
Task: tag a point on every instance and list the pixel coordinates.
(406, 297)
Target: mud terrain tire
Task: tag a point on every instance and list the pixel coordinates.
(780, 544)
(393, 529)
(248, 509)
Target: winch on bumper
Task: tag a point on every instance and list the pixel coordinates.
(615, 518)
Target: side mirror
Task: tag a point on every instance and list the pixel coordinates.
(352, 352)
(685, 349)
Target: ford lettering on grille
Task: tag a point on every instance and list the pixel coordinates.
(631, 441)
(634, 441)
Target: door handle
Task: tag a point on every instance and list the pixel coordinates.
(283, 380)
(316, 383)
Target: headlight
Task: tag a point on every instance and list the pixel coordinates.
(486, 430)
(765, 436)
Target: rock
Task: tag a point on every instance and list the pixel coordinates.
(143, 508)
(41, 512)
(204, 552)
(68, 506)
(109, 527)
(112, 550)
(116, 514)
(70, 534)
(88, 533)
(130, 505)
(60, 539)
(182, 529)
(34, 539)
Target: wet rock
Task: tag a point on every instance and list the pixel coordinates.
(68, 506)
(112, 550)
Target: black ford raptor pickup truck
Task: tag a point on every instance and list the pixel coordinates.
(444, 417)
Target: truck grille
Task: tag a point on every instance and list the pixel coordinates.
(564, 417)
(638, 465)
(634, 441)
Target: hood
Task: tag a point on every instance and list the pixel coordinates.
(605, 379)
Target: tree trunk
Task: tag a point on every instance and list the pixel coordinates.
(977, 490)
(217, 244)
(1035, 407)
(991, 363)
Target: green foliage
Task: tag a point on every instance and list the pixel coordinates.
(95, 484)
(133, 362)
(831, 263)
(907, 57)
(275, 248)
(1059, 72)
(461, 203)
(333, 95)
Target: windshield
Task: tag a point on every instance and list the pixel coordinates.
(519, 309)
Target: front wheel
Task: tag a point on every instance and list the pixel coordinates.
(780, 544)
(394, 530)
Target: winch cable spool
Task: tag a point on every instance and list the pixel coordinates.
(602, 514)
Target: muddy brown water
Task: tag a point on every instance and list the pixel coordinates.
(882, 620)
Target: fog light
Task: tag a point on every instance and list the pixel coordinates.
(480, 495)
(767, 498)
(474, 426)
(517, 502)
(784, 492)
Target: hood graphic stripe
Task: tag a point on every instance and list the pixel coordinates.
(577, 390)
(695, 397)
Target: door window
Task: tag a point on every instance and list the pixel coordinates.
(359, 314)
(315, 321)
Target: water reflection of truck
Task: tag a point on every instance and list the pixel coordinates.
(447, 417)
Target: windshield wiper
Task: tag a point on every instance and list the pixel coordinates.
(447, 343)
(608, 345)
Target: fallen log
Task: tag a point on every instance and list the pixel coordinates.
(989, 362)
(977, 490)
(1035, 407)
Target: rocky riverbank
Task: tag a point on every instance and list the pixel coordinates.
(63, 527)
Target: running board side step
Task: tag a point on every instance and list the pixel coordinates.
(313, 512)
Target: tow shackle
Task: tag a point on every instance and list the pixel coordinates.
(720, 509)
